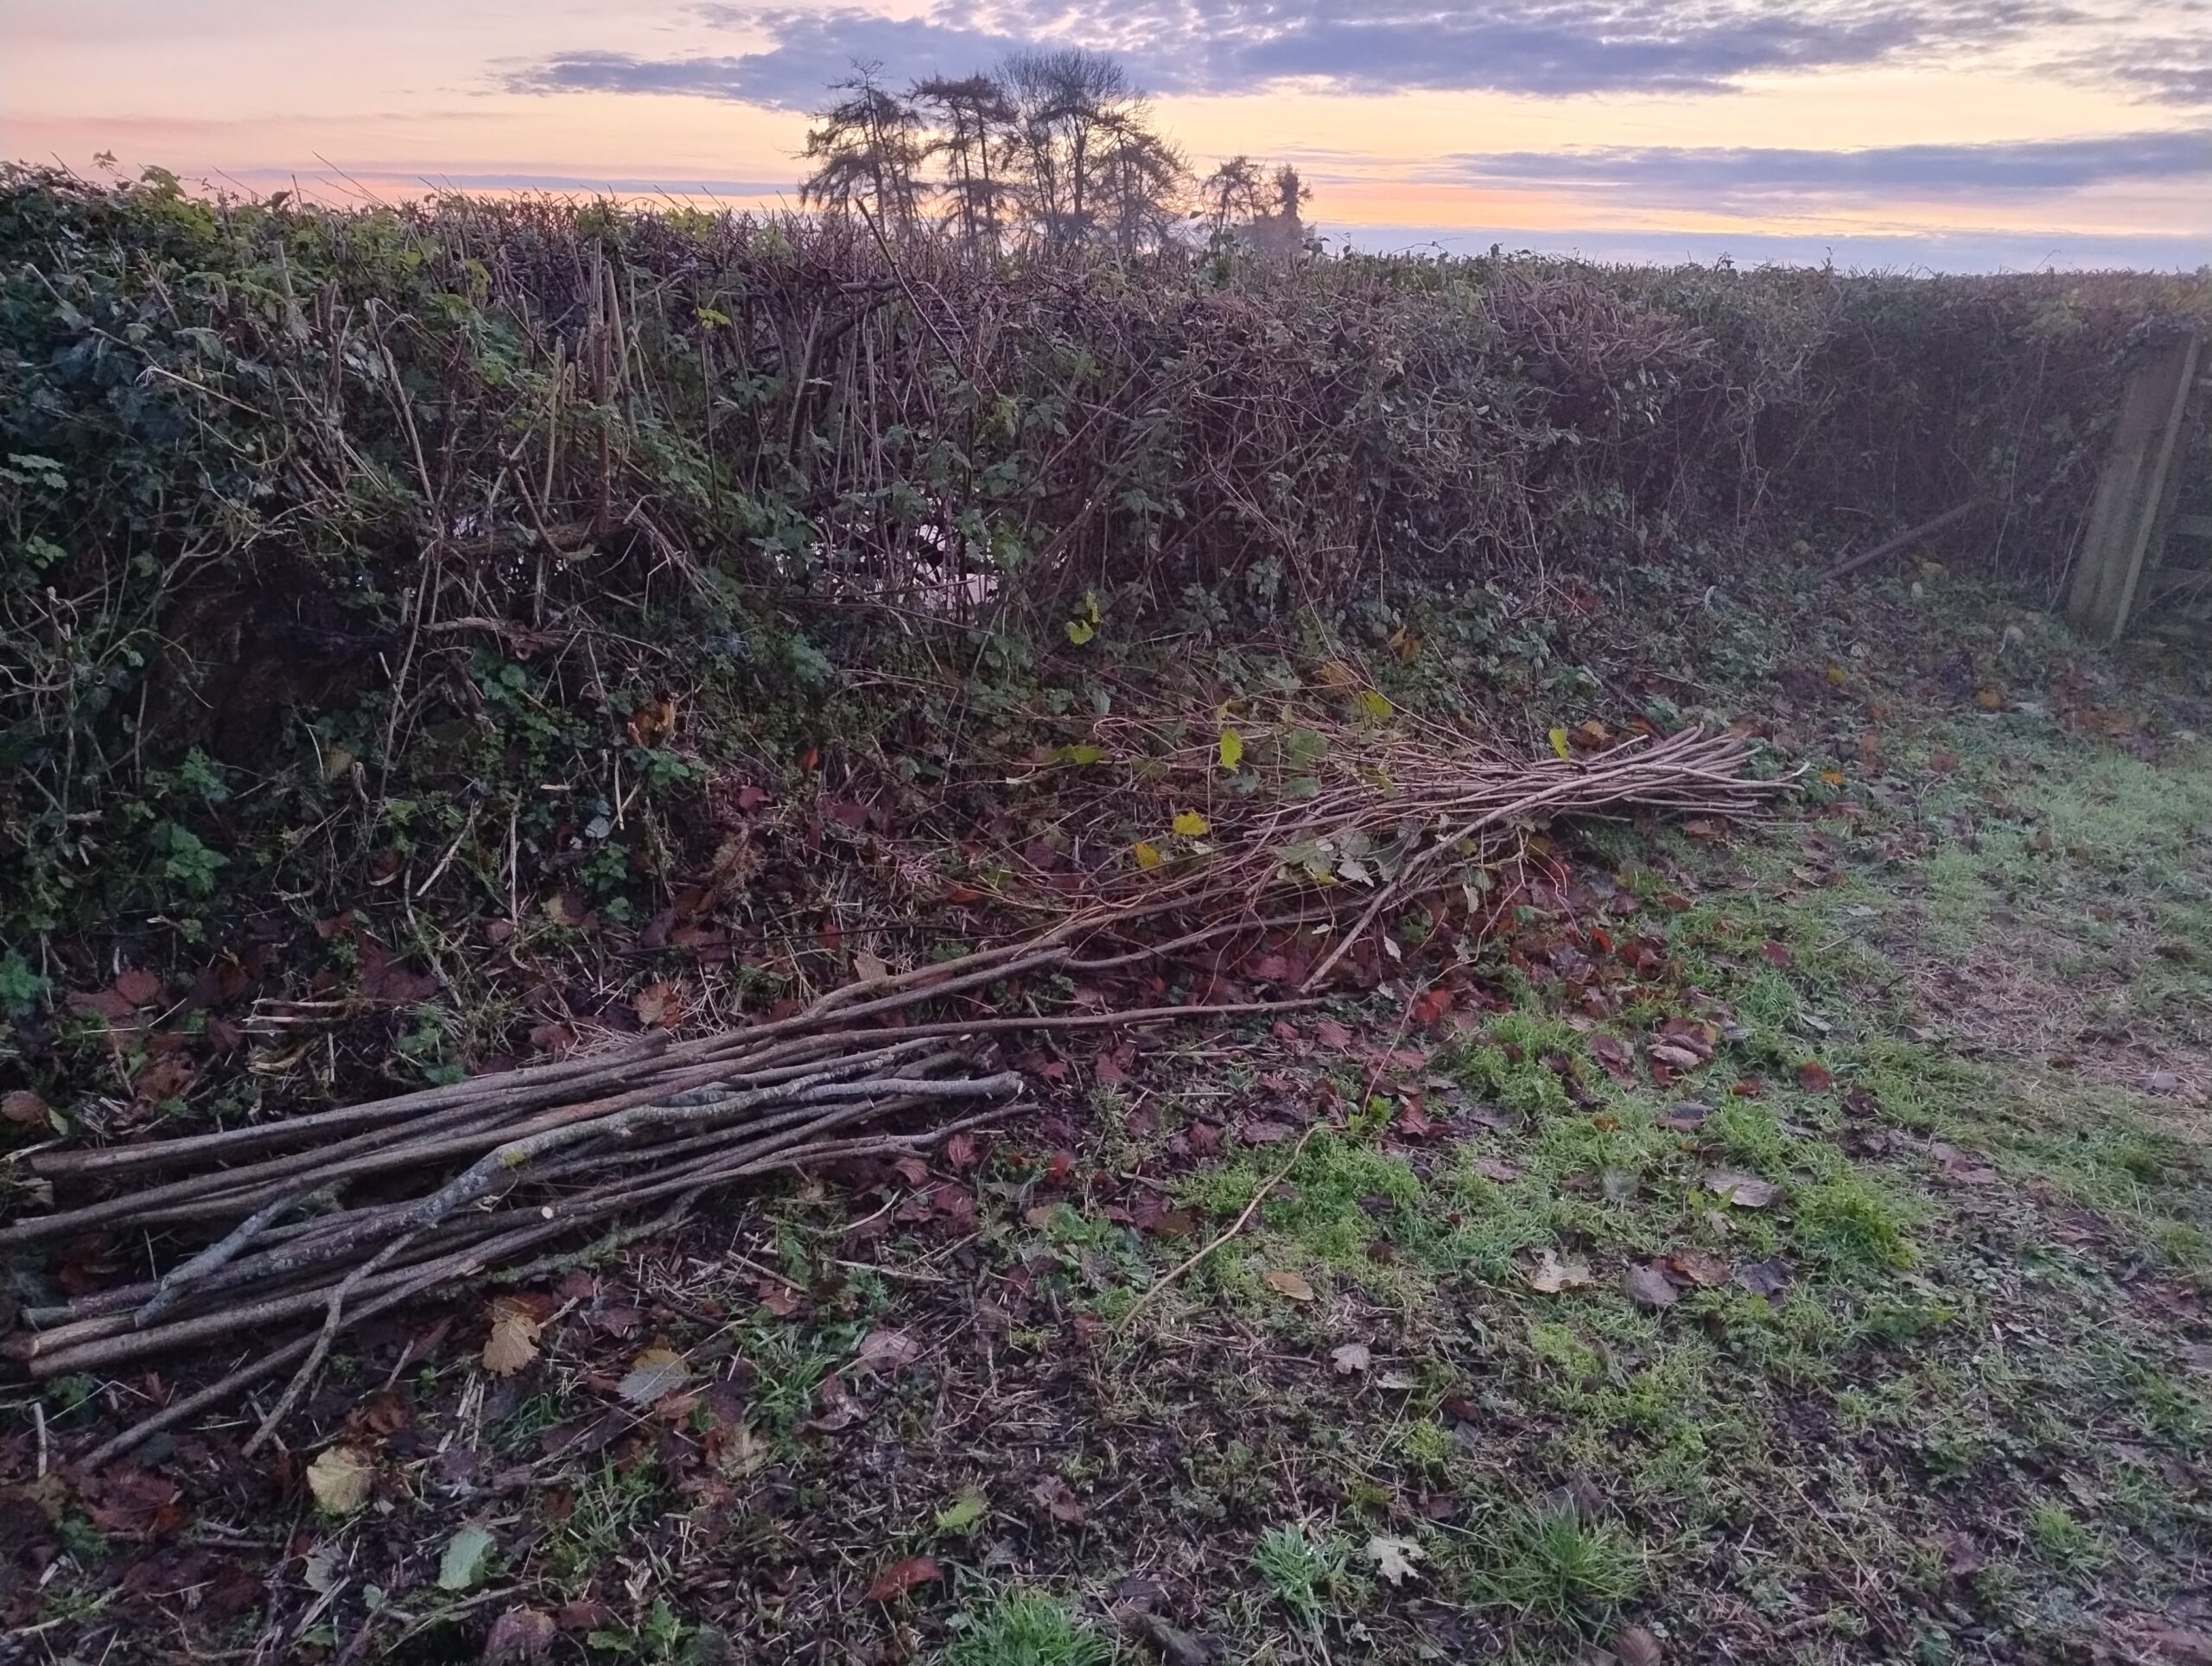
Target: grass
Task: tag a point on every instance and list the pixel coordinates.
(1025, 1628)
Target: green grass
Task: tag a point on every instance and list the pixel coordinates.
(1025, 1628)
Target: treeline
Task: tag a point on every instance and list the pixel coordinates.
(1050, 152)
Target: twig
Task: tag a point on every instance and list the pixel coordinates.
(1235, 1227)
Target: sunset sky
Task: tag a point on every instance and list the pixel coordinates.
(1952, 134)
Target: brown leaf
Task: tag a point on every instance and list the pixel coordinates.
(658, 1005)
(1290, 1287)
(519, 1634)
(138, 987)
(1649, 1287)
(1638, 1647)
(1687, 1118)
(511, 1342)
(1768, 1278)
(1699, 1267)
(1496, 1168)
(1745, 1191)
(653, 1376)
(887, 1351)
(339, 1479)
(1665, 1053)
(896, 1580)
(24, 1108)
(1264, 1132)
(1551, 1276)
(1059, 1501)
(1350, 1357)
(1812, 1076)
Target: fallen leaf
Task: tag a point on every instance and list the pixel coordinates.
(1496, 1168)
(1665, 1053)
(1189, 824)
(1687, 1118)
(1812, 1076)
(1177, 1648)
(2158, 1081)
(24, 1108)
(1397, 1378)
(511, 1342)
(1059, 1501)
(138, 987)
(657, 1005)
(1394, 1559)
(1701, 1267)
(1649, 1287)
(1745, 1191)
(1638, 1647)
(896, 1580)
(1350, 1357)
(519, 1634)
(1768, 1278)
(339, 1479)
(1290, 1287)
(462, 1565)
(1551, 1276)
(1146, 854)
(887, 1351)
(1558, 738)
(653, 1376)
(1231, 749)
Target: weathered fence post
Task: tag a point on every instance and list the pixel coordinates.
(2133, 493)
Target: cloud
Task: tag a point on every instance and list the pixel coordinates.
(2172, 71)
(1758, 177)
(1536, 46)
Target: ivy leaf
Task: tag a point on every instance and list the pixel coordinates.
(1190, 824)
(1232, 748)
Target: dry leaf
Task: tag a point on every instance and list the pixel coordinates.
(1768, 1278)
(339, 1479)
(24, 1108)
(868, 968)
(1189, 824)
(1352, 1356)
(1814, 1076)
(653, 1375)
(901, 1577)
(657, 1005)
(1649, 1287)
(1148, 853)
(1496, 1168)
(1745, 1191)
(1665, 1053)
(511, 1343)
(1290, 1287)
(887, 1351)
(1394, 1559)
(1638, 1647)
(519, 1634)
(1551, 1276)
(1701, 1267)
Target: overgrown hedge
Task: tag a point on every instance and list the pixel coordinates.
(302, 509)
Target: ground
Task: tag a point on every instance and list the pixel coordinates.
(1787, 1242)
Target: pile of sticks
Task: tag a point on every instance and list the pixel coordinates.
(312, 1224)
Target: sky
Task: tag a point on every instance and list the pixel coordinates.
(1896, 134)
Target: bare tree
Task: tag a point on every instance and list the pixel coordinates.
(1063, 100)
(867, 153)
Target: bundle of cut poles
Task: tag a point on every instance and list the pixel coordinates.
(300, 1227)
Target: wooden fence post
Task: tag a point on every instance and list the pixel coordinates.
(2132, 493)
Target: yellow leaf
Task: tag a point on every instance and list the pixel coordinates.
(1080, 631)
(1837, 675)
(1558, 741)
(1831, 778)
(339, 1479)
(1989, 700)
(1190, 824)
(512, 1343)
(1372, 705)
(1148, 855)
(1232, 748)
(1290, 1287)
